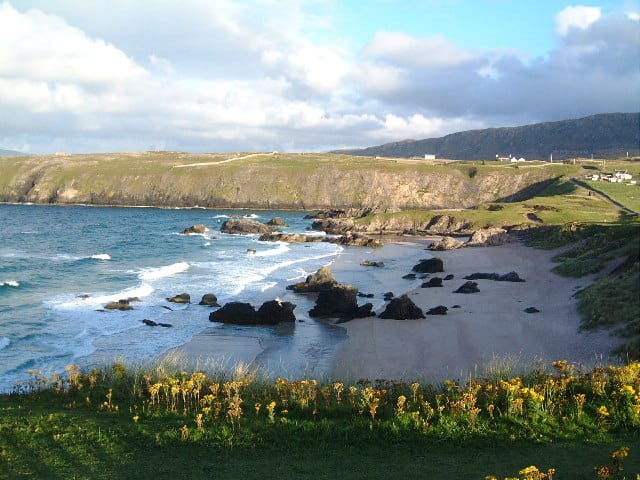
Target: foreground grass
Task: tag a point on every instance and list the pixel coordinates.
(121, 423)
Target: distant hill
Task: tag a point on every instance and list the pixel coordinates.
(608, 135)
(9, 153)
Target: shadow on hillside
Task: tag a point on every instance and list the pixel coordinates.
(545, 188)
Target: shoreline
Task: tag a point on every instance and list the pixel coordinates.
(490, 331)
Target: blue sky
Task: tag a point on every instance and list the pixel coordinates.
(303, 75)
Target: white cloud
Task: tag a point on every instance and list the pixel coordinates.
(270, 75)
(401, 49)
(580, 17)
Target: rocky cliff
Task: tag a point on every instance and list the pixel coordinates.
(265, 181)
(607, 135)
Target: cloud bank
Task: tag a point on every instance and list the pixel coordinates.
(268, 75)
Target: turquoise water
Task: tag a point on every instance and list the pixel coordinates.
(60, 264)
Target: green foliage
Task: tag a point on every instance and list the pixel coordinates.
(115, 422)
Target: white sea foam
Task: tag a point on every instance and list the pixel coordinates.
(163, 272)
(279, 250)
(101, 256)
(267, 286)
(10, 283)
(4, 342)
(67, 303)
(221, 216)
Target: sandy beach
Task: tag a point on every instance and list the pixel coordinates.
(490, 329)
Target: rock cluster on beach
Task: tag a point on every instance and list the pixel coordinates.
(269, 313)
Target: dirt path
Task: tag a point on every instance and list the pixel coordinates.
(219, 162)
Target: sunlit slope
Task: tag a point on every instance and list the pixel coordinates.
(266, 180)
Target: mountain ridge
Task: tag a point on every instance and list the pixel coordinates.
(605, 135)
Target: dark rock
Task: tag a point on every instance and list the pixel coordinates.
(321, 280)
(290, 237)
(197, 229)
(235, 312)
(371, 263)
(365, 295)
(448, 277)
(456, 306)
(209, 300)
(409, 276)
(507, 277)
(251, 251)
(429, 265)
(340, 300)
(356, 240)
(134, 299)
(402, 308)
(83, 296)
(122, 304)
(151, 323)
(388, 296)
(433, 282)
(181, 298)
(275, 311)
(446, 243)
(439, 310)
(277, 222)
(468, 287)
(244, 226)
(269, 313)
(531, 310)
(363, 311)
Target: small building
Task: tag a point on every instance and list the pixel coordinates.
(429, 156)
(622, 175)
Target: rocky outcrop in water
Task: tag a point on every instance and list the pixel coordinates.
(122, 304)
(244, 226)
(209, 300)
(180, 298)
(277, 222)
(197, 229)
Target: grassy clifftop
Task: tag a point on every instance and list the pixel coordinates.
(268, 180)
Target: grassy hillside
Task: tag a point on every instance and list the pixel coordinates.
(271, 180)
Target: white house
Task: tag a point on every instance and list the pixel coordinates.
(429, 156)
(622, 175)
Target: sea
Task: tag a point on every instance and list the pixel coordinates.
(60, 265)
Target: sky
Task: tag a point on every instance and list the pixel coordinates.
(303, 75)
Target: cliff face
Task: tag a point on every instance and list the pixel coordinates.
(265, 181)
(607, 135)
